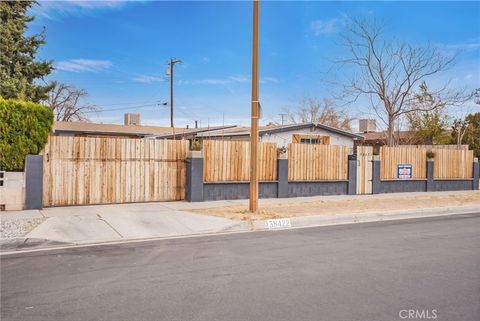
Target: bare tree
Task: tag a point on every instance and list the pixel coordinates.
(387, 74)
(67, 103)
(314, 110)
(459, 128)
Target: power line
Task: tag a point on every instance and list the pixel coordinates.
(126, 108)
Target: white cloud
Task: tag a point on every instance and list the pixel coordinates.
(146, 79)
(323, 27)
(205, 82)
(83, 65)
(240, 79)
(54, 9)
(269, 80)
(469, 45)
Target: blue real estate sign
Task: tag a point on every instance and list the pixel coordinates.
(404, 171)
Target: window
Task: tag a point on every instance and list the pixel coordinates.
(310, 139)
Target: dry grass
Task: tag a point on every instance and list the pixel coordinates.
(334, 207)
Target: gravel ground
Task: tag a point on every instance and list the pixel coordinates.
(12, 228)
(344, 206)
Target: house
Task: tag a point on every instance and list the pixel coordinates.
(282, 135)
(372, 137)
(130, 129)
(407, 137)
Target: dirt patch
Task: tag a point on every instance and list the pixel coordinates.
(344, 206)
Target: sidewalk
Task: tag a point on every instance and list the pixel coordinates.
(77, 225)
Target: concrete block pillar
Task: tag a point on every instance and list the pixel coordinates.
(33, 182)
(352, 174)
(476, 174)
(282, 175)
(430, 173)
(194, 179)
(376, 188)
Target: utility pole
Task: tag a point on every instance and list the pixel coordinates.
(283, 115)
(172, 63)
(253, 204)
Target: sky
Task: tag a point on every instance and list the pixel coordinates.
(118, 51)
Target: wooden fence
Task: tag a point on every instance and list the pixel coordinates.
(81, 170)
(450, 163)
(390, 157)
(225, 161)
(430, 147)
(317, 162)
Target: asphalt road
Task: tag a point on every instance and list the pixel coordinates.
(374, 271)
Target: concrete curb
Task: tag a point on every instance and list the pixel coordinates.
(25, 245)
(324, 220)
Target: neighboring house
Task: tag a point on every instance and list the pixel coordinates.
(131, 129)
(380, 138)
(282, 135)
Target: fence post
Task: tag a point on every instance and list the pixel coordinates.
(282, 175)
(194, 179)
(33, 182)
(352, 174)
(430, 174)
(376, 175)
(476, 174)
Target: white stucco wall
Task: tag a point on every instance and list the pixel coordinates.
(285, 138)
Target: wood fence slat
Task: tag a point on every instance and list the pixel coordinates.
(230, 161)
(92, 170)
(317, 162)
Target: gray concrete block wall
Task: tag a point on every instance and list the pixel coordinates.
(430, 184)
(194, 179)
(197, 190)
(376, 182)
(476, 175)
(236, 190)
(33, 182)
(314, 188)
(452, 185)
(352, 175)
(403, 186)
(282, 175)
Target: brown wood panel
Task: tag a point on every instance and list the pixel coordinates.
(92, 170)
(225, 161)
(391, 157)
(451, 163)
(317, 162)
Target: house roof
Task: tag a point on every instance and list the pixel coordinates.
(266, 130)
(132, 130)
(383, 135)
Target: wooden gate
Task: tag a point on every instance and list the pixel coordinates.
(364, 169)
(85, 170)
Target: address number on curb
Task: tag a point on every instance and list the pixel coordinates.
(279, 223)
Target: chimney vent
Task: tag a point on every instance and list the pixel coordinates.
(367, 125)
(132, 119)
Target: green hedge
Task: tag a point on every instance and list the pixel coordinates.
(24, 129)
